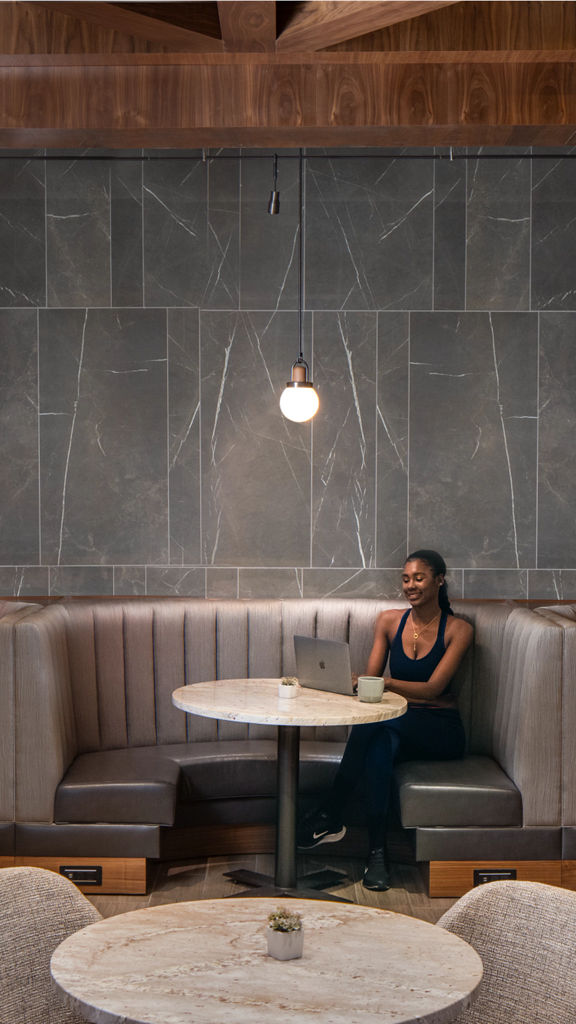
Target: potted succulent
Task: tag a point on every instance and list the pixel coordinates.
(288, 687)
(285, 934)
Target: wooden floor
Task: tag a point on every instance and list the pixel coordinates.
(204, 879)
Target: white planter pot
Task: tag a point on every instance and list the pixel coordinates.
(287, 692)
(285, 945)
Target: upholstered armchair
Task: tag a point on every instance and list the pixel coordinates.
(525, 933)
(38, 910)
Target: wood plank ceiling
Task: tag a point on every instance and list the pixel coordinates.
(287, 74)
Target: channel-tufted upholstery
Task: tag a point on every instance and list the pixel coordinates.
(10, 613)
(106, 765)
(564, 617)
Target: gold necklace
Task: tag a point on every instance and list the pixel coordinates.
(416, 634)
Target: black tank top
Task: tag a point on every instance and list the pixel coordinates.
(416, 670)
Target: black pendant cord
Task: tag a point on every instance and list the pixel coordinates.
(300, 253)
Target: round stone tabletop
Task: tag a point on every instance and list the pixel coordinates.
(257, 700)
(206, 963)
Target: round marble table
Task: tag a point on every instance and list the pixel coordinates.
(257, 700)
(206, 963)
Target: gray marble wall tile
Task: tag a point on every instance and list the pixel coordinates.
(19, 542)
(181, 582)
(24, 581)
(129, 580)
(255, 463)
(177, 486)
(81, 581)
(450, 234)
(552, 584)
(503, 584)
(221, 582)
(270, 243)
(191, 233)
(22, 233)
(78, 233)
(376, 583)
(270, 583)
(221, 290)
(392, 438)
(126, 233)
(553, 239)
(184, 436)
(498, 235)
(556, 478)
(344, 432)
(103, 436)
(369, 234)
(473, 435)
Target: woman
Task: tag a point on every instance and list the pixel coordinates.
(425, 645)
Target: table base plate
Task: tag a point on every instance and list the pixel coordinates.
(307, 887)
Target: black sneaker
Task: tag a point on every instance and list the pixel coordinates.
(318, 827)
(376, 875)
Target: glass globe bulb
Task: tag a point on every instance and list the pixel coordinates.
(299, 403)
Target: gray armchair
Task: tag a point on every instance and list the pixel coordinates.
(525, 934)
(38, 910)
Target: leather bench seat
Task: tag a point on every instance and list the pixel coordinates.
(472, 792)
(133, 786)
(144, 785)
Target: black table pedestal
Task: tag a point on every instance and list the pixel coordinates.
(285, 881)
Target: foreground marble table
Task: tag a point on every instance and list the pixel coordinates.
(206, 963)
(257, 700)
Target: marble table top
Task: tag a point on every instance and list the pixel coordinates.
(257, 700)
(206, 963)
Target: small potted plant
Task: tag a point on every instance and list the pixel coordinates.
(285, 934)
(288, 687)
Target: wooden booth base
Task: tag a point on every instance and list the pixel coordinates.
(447, 879)
(453, 878)
(110, 875)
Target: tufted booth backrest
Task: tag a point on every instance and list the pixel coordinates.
(528, 714)
(99, 675)
(564, 616)
(10, 613)
(123, 659)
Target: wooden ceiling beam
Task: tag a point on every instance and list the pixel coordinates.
(247, 101)
(333, 58)
(321, 23)
(248, 26)
(131, 23)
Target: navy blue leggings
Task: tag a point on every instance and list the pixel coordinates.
(421, 734)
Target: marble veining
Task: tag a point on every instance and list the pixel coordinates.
(19, 436)
(438, 323)
(248, 452)
(205, 963)
(344, 440)
(257, 701)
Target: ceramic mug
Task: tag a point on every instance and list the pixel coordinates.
(370, 689)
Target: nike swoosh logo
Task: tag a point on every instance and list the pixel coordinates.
(318, 835)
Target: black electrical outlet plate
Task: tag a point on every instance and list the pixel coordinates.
(494, 875)
(82, 874)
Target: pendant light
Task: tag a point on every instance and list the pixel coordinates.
(299, 400)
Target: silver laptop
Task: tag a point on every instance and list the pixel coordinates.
(323, 664)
